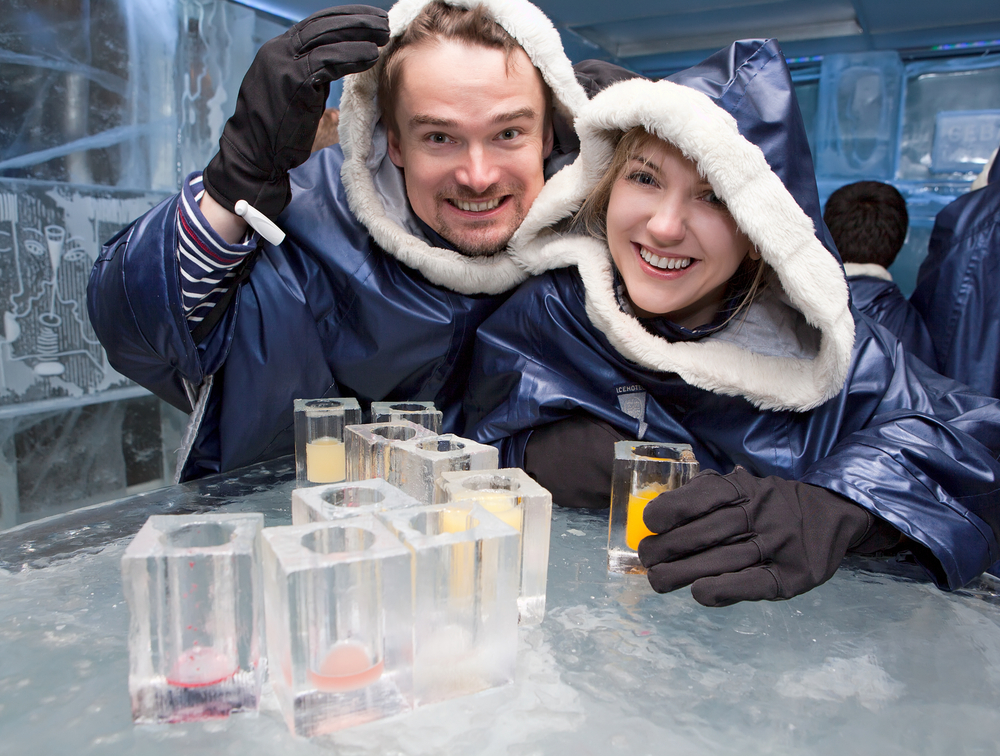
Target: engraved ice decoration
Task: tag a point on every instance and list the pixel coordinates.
(514, 497)
(418, 462)
(339, 623)
(465, 598)
(339, 500)
(369, 448)
(319, 438)
(421, 413)
(195, 599)
(641, 472)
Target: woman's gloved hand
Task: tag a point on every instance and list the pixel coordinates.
(737, 537)
(282, 99)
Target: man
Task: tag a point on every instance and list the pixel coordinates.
(868, 221)
(396, 240)
(957, 290)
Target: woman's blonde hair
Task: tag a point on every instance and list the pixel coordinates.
(592, 217)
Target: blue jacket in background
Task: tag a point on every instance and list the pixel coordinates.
(958, 288)
(799, 385)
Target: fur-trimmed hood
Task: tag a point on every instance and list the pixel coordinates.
(792, 348)
(375, 188)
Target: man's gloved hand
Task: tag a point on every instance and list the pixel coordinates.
(742, 538)
(282, 99)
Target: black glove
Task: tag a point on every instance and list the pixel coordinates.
(282, 99)
(573, 458)
(742, 538)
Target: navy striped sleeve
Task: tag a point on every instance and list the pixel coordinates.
(207, 263)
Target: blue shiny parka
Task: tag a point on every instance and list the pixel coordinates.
(958, 287)
(361, 299)
(877, 296)
(799, 385)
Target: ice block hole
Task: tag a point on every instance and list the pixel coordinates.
(444, 521)
(491, 483)
(441, 445)
(200, 535)
(395, 432)
(338, 540)
(354, 496)
(657, 451)
(409, 408)
(323, 404)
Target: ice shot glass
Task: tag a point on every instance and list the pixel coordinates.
(319, 438)
(464, 597)
(336, 501)
(421, 413)
(339, 623)
(194, 589)
(641, 472)
(421, 461)
(369, 448)
(516, 498)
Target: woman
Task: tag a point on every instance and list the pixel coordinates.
(692, 300)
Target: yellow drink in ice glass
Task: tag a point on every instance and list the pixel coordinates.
(502, 504)
(635, 528)
(325, 460)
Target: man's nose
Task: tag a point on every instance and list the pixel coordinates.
(478, 171)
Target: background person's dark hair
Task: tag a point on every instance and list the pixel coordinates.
(868, 222)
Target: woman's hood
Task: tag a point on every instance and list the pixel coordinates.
(792, 348)
(375, 189)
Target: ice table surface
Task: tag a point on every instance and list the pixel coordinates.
(876, 661)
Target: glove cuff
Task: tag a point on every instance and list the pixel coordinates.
(229, 179)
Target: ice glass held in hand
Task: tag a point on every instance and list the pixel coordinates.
(641, 472)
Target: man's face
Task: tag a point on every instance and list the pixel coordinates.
(472, 138)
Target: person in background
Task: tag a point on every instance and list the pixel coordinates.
(326, 132)
(958, 285)
(395, 246)
(684, 292)
(868, 222)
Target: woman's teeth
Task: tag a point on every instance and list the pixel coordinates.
(477, 207)
(667, 263)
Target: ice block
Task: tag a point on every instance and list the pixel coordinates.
(339, 623)
(420, 461)
(319, 438)
(641, 472)
(421, 413)
(514, 497)
(338, 500)
(465, 598)
(195, 597)
(369, 448)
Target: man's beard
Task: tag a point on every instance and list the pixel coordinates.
(485, 245)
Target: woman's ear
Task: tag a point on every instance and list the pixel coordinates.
(754, 253)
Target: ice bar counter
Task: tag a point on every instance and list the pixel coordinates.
(875, 661)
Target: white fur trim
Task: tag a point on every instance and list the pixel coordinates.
(359, 114)
(866, 269)
(763, 208)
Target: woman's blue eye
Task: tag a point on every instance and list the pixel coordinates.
(714, 199)
(641, 177)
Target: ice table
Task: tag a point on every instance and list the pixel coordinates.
(876, 661)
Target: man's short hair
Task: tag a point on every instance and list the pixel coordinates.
(475, 26)
(868, 222)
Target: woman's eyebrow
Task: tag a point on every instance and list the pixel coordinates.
(646, 162)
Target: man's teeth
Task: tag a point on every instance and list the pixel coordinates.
(668, 263)
(477, 207)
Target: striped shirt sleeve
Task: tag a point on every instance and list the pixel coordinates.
(207, 263)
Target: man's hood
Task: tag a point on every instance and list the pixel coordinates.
(792, 348)
(375, 188)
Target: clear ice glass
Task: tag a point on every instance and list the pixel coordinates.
(369, 448)
(338, 500)
(339, 623)
(514, 497)
(641, 472)
(421, 461)
(319, 438)
(421, 413)
(195, 599)
(464, 598)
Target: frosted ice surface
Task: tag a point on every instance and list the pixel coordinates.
(875, 661)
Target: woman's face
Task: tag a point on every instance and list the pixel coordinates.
(674, 242)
